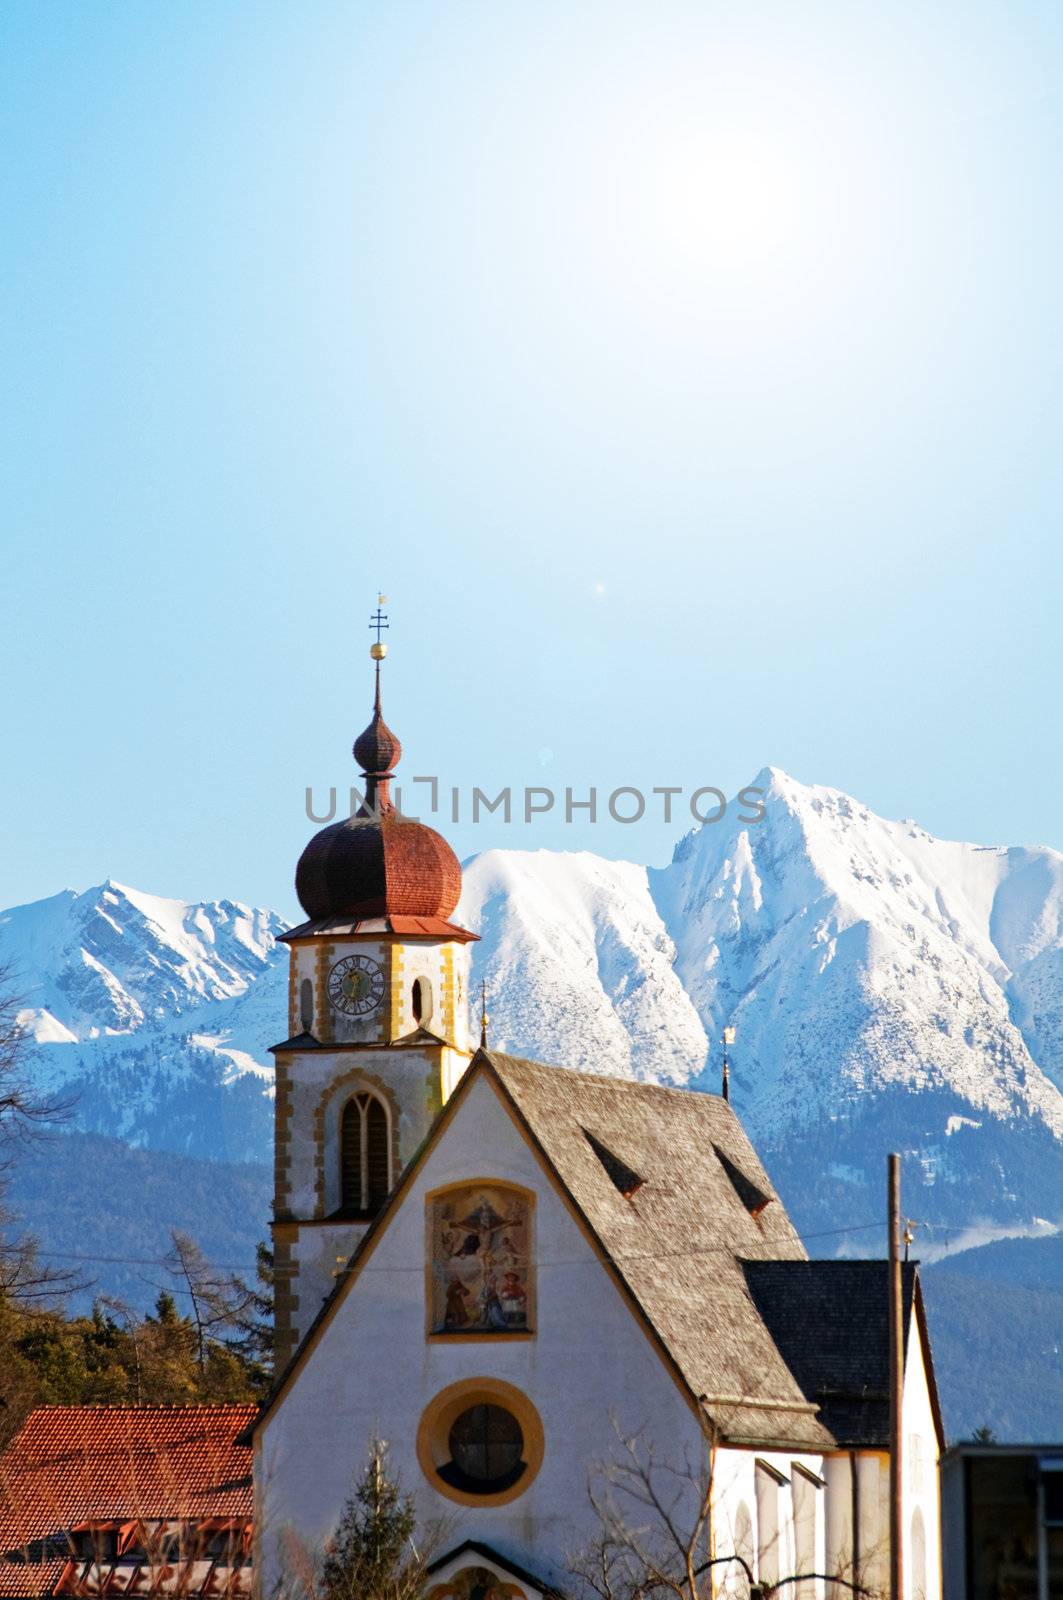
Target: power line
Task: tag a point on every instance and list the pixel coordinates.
(542, 1261)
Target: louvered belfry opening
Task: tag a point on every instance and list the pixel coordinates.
(365, 1166)
(377, 1177)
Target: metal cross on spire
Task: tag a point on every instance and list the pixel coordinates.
(379, 619)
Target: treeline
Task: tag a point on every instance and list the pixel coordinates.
(208, 1338)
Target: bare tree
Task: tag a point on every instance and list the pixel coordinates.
(655, 1533)
(221, 1303)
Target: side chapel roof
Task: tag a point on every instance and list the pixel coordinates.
(830, 1320)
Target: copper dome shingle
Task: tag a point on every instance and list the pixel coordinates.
(378, 863)
(376, 866)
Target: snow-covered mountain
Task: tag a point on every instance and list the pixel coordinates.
(152, 1016)
(890, 990)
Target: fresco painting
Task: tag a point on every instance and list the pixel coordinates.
(479, 1243)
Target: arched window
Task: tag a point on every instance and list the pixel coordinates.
(306, 1005)
(739, 1576)
(806, 1486)
(917, 1556)
(365, 1161)
(421, 1001)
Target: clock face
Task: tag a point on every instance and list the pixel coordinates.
(356, 986)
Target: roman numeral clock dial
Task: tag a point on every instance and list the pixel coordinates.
(356, 986)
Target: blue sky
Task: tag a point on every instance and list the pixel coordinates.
(688, 375)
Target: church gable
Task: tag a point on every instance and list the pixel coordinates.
(670, 1242)
(479, 1331)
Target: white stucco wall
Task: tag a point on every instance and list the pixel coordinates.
(373, 1370)
(777, 1548)
(920, 1484)
(919, 1489)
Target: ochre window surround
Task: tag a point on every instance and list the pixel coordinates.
(433, 1437)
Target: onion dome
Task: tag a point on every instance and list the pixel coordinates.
(378, 863)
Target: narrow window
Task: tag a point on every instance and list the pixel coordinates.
(365, 1165)
(376, 1165)
(421, 1001)
(805, 1506)
(351, 1157)
(742, 1575)
(306, 1005)
(769, 1481)
(917, 1556)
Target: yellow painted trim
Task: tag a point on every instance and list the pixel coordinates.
(396, 977)
(323, 1011)
(518, 1336)
(448, 1006)
(529, 1196)
(439, 1417)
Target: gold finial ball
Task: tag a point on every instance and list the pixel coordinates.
(378, 651)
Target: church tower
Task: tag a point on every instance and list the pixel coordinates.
(378, 1031)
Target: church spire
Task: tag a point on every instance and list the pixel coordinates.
(377, 750)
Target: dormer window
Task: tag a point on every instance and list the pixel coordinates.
(365, 1157)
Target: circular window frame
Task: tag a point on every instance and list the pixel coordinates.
(440, 1415)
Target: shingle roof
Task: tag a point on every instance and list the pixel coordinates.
(758, 1334)
(830, 1321)
(69, 1465)
(676, 1241)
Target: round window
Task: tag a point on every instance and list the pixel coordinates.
(486, 1446)
(480, 1442)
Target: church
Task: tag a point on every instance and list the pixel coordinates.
(546, 1289)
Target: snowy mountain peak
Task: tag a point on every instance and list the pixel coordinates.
(105, 959)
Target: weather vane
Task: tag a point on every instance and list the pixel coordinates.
(484, 1019)
(379, 621)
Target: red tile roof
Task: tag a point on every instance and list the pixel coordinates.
(69, 1465)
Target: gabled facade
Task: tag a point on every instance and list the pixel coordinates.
(562, 1261)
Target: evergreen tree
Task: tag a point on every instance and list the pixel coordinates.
(372, 1555)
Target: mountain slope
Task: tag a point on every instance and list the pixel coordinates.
(890, 990)
(152, 1016)
(579, 965)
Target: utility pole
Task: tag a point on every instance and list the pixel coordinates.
(896, 1314)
